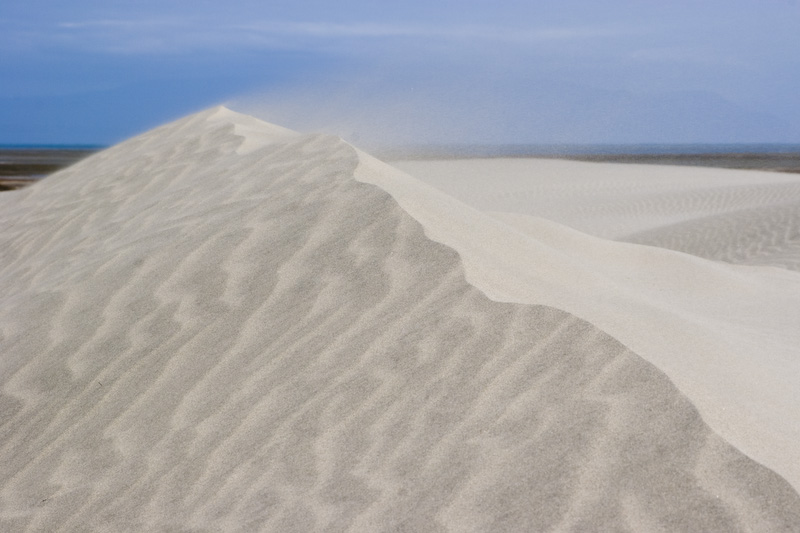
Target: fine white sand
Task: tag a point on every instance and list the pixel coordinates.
(738, 216)
(222, 325)
(728, 336)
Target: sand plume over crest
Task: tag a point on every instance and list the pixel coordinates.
(214, 326)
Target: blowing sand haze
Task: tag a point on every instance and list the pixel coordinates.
(223, 325)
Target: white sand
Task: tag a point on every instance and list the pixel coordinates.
(728, 336)
(221, 325)
(738, 216)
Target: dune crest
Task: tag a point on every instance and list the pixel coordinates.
(218, 325)
(727, 335)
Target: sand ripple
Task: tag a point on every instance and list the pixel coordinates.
(200, 339)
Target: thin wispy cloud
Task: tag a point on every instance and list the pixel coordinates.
(175, 35)
(488, 33)
(122, 24)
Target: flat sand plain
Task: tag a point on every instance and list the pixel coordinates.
(223, 325)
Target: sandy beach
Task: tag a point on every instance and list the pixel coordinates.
(225, 325)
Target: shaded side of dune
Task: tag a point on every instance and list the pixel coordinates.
(765, 236)
(198, 340)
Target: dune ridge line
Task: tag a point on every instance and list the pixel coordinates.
(214, 326)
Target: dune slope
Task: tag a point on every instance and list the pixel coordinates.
(765, 236)
(738, 216)
(727, 335)
(215, 326)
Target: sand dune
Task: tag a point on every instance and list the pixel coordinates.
(221, 325)
(727, 335)
(744, 217)
(767, 236)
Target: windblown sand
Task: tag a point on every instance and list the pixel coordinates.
(222, 325)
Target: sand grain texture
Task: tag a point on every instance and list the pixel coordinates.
(216, 327)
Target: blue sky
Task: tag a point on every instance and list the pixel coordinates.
(378, 73)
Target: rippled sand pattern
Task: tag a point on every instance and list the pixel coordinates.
(194, 339)
(613, 201)
(766, 236)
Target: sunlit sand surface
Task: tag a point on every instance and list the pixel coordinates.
(223, 325)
